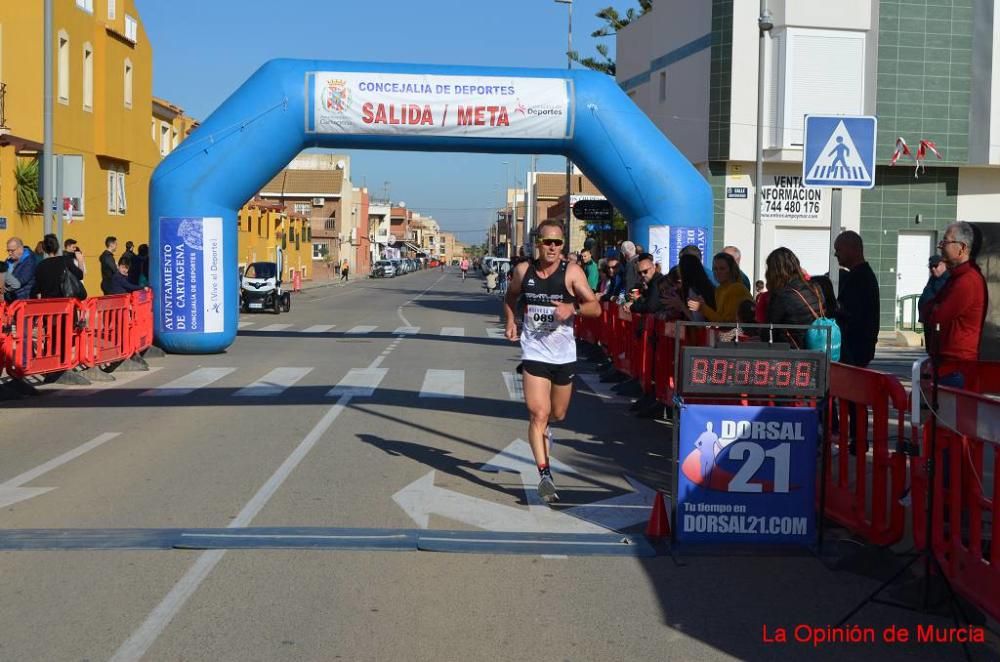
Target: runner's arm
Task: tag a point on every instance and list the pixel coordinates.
(510, 300)
(587, 301)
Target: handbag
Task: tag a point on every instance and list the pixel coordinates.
(821, 329)
(71, 287)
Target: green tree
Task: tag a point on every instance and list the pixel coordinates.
(613, 22)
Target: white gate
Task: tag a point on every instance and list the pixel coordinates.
(912, 251)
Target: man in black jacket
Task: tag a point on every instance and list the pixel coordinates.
(108, 266)
(858, 302)
(649, 300)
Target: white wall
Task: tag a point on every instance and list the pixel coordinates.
(978, 194)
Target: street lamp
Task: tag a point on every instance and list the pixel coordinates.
(764, 25)
(569, 65)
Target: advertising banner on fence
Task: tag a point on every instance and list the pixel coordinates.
(747, 474)
(436, 105)
(191, 293)
(666, 242)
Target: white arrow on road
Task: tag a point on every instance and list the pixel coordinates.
(11, 491)
(422, 498)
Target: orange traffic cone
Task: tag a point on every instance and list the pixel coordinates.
(659, 519)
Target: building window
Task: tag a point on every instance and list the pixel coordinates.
(330, 224)
(174, 139)
(319, 251)
(88, 77)
(131, 28)
(164, 138)
(117, 202)
(86, 5)
(152, 129)
(63, 67)
(128, 83)
(303, 208)
(112, 10)
(663, 86)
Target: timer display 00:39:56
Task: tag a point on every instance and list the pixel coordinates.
(780, 373)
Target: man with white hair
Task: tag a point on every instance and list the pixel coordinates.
(627, 265)
(956, 315)
(736, 255)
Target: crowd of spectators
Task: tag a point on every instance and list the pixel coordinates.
(51, 271)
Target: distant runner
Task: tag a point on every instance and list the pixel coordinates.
(464, 266)
(548, 292)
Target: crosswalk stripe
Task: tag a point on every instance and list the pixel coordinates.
(407, 330)
(274, 327)
(245, 324)
(496, 334)
(318, 328)
(453, 331)
(361, 330)
(359, 382)
(443, 384)
(515, 386)
(274, 382)
(190, 382)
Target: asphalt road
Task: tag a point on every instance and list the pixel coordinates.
(349, 433)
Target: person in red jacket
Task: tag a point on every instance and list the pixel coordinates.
(955, 316)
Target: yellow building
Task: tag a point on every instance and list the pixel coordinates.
(102, 105)
(264, 226)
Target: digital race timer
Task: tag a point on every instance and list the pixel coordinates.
(753, 371)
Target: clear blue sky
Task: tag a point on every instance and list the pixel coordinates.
(204, 49)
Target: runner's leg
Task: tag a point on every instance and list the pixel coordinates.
(559, 403)
(538, 397)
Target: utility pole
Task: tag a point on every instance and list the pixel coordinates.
(569, 164)
(764, 25)
(48, 163)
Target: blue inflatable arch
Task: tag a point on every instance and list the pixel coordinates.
(290, 105)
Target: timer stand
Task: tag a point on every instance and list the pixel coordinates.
(774, 379)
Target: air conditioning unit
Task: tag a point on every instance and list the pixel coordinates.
(318, 202)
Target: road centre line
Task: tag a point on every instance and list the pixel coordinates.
(146, 634)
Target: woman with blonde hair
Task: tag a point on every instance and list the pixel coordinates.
(729, 295)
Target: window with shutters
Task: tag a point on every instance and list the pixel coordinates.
(63, 67)
(303, 208)
(330, 224)
(88, 77)
(112, 10)
(812, 71)
(127, 75)
(131, 28)
(117, 201)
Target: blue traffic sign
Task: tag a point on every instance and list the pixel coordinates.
(839, 151)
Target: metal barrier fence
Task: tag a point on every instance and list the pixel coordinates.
(907, 313)
(43, 336)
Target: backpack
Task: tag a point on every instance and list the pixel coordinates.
(816, 335)
(71, 287)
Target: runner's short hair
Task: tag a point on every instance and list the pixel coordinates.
(549, 224)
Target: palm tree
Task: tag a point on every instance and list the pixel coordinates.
(613, 23)
(26, 186)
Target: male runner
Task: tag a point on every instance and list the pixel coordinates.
(548, 292)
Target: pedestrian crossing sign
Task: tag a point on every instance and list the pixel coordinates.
(839, 151)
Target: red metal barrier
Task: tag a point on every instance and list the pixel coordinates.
(965, 522)
(42, 337)
(142, 320)
(108, 334)
(5, 339)
(663, 361)
(864, 494)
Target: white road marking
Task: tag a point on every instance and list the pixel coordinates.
(190, 382)
(496, 334)
(136, 645)
(317, 328)
(515, 386)
(273, 383)
(453, 331)
(274, 327)
(361, 330)
(360, 381)
(443, 384)
(11, 491)
(121, 379)
(407, 330)
(245, 324)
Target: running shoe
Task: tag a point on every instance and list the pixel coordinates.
(547, 489)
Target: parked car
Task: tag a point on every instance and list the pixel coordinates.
(384, 269)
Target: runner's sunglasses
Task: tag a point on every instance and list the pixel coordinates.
(551, 242)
